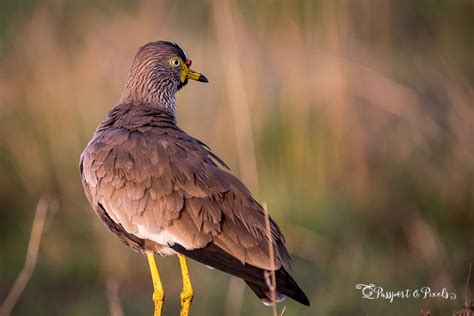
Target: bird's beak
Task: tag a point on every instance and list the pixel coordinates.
(188, 73)
(195, 75)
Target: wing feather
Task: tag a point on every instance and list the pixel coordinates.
(163, 185)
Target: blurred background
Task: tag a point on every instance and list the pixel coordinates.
(352, 120)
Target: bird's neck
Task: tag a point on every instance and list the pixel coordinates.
(150, 92)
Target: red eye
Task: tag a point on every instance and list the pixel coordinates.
(189, 62)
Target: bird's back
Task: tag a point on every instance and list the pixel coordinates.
(149, 175)
(161, 190)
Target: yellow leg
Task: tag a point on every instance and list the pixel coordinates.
(187, 292)
(158, 291)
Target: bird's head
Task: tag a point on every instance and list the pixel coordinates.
(158, 71)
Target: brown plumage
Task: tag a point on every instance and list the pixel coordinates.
(161, 190)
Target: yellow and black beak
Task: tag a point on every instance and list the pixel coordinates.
(188, 73)
(195, 75)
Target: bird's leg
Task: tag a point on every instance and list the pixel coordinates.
(187, 292)
(158, 291)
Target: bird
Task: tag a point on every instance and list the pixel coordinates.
(162, 191)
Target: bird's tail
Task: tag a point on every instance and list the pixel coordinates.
(255, 277)
(285, 286)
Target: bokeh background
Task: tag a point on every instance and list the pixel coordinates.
(352, 120)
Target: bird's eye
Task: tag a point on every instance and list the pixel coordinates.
(175, 62)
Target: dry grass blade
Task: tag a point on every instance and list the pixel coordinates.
(31, 257)
(468, 309)
(467, 297)
(271, 285)
(235, 297)
(227, 32)
(115, 309)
